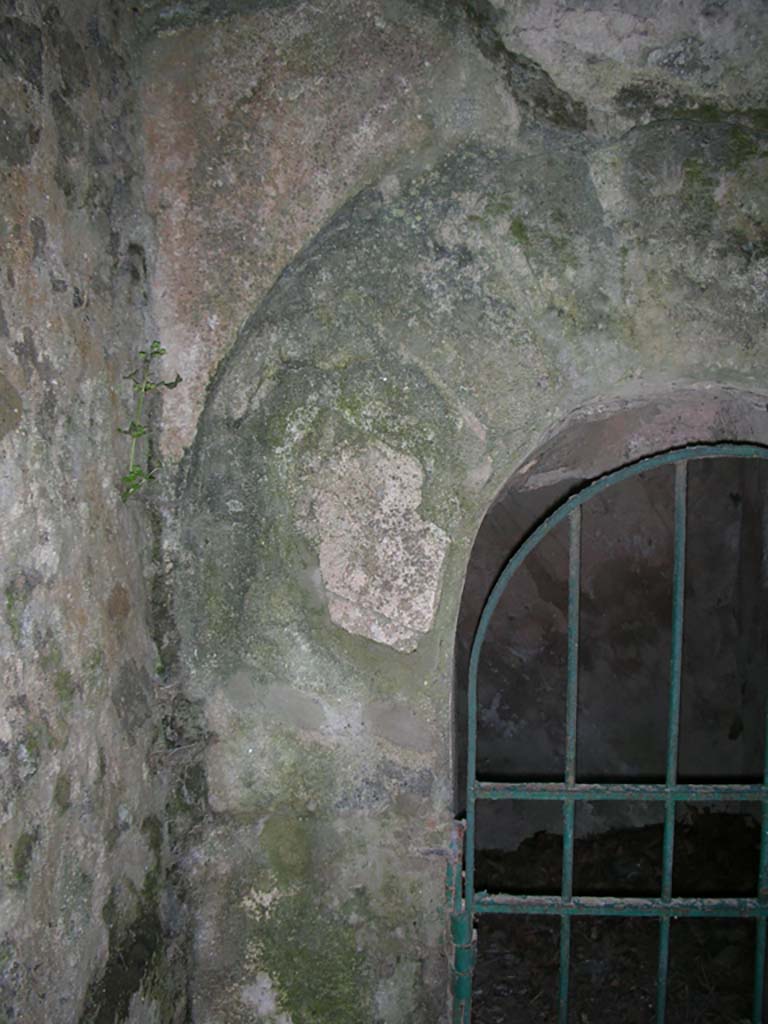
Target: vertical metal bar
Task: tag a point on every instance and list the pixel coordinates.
(461, 931)
(673, 728)
(571, 717)
(566, 893)
(566, 889)
(453, 882)
(762, 891)
(678, 613)
(450, 879)
(572, 696)
(663, 971)
(565, 968)
(759, 987)
(465, 937)
(469, 836)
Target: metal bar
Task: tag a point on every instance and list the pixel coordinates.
(758, 998)
(673, 728)
(565, 969)
(662, 974)
(453, 879)
(621, 906)
(451, 870)
(675, 672)
(759, 985)
(461, 968)
(566, 890)
(571, 717)
(463, 964)
(566, 885)
(473, 903)
(651, 792)
(572, 694)
(469, 835)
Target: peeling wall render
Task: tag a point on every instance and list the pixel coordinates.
(389, 248)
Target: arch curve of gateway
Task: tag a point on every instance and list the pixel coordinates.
(467, 904)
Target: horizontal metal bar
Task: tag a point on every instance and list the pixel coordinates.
(619, 906)
(721, 791)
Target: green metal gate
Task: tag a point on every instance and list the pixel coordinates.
(465, 903)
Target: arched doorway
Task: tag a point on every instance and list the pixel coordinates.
(593, 742)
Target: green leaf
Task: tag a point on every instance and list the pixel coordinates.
(136, 477)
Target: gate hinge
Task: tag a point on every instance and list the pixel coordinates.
(462, 932)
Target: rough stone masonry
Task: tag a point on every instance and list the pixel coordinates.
(389, 247)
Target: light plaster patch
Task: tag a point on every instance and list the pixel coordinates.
(262, 997)
(399, 725)
(259, 902)
(380, 561)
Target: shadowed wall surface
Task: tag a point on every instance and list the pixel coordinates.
(390, 250)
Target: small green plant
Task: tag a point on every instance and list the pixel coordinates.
(143, 383)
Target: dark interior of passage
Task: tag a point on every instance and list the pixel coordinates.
(626, 597)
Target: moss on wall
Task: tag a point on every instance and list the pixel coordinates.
(482, 235)
(23, 851)
(312, 955)
(450, 323)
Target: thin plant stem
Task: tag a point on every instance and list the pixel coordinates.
(137, 419)
(136, 477)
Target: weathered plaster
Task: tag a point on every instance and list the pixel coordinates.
(423, 333)
(391, 250)
(258, 128)
(633, 60)
(379, 560)
(83, 851)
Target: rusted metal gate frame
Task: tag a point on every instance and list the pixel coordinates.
(464, 902)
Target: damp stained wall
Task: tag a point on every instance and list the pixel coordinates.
(389, 247)
(83, 849)
(403, 281)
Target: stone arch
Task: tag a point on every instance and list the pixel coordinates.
(595, 439)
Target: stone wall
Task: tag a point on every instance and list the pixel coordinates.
(391, 248)
(524, 219)
(83, 928)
